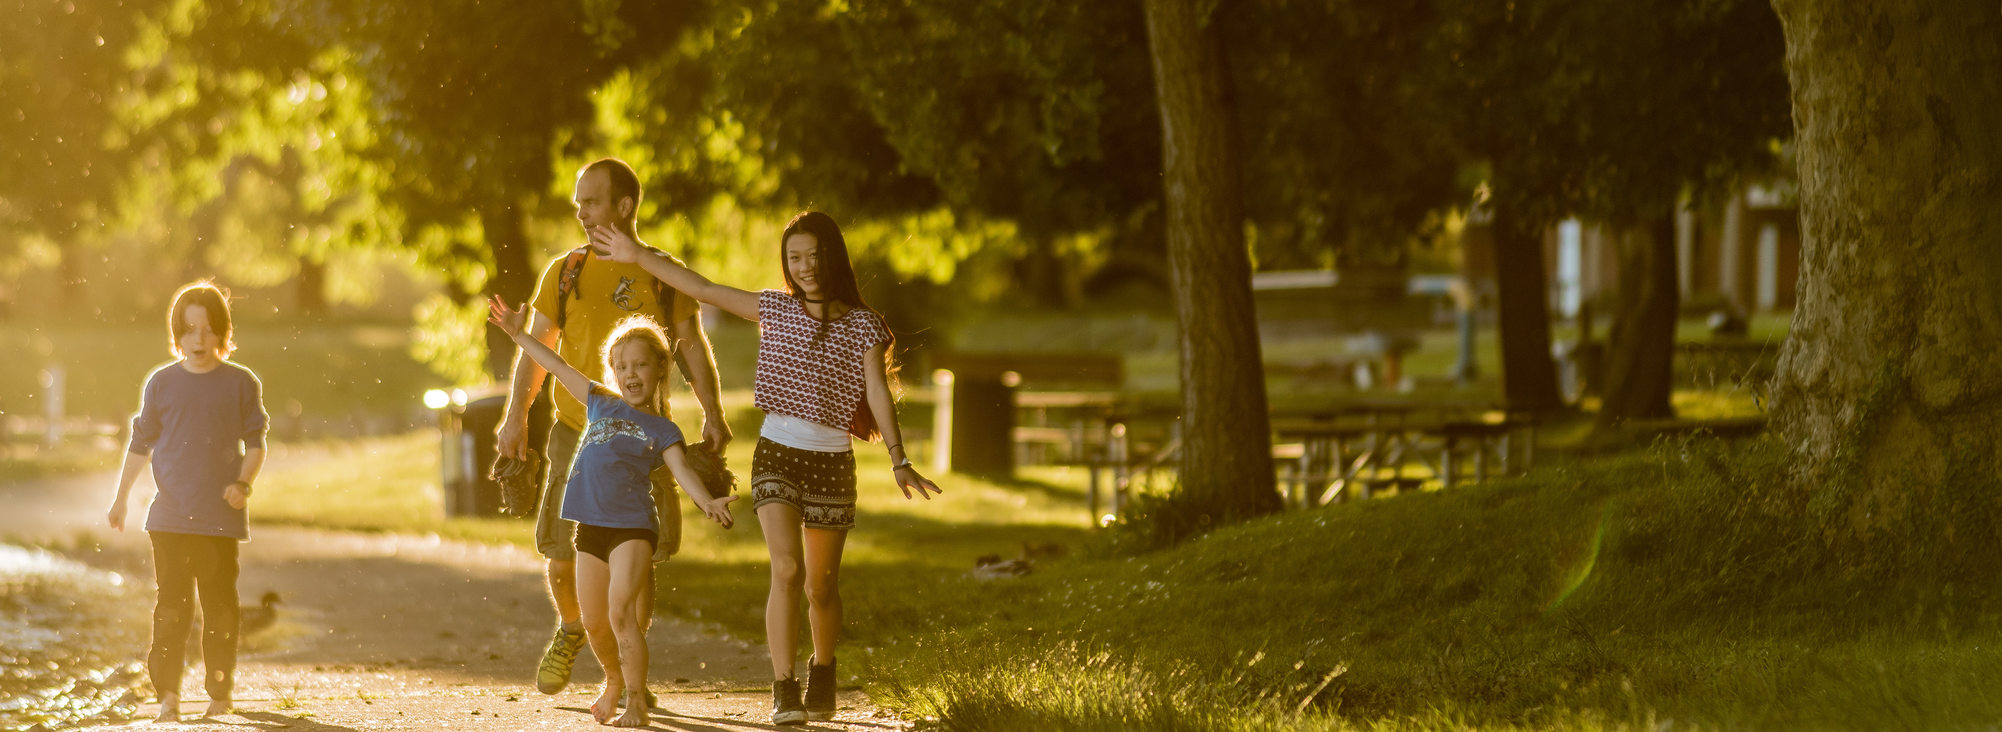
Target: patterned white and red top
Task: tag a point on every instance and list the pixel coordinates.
(818, 381)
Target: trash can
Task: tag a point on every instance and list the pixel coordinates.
(983, 425)
(466, 423)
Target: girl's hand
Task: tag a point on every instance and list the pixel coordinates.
(615, 245)
(236, 495)
(718, 509)
(908, 478)
(116, 517)
(507, 319)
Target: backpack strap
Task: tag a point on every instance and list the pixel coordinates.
(566, 289)
(566, 283)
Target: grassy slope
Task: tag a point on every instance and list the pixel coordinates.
(1615, 593)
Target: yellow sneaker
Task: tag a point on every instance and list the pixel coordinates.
(554, 674)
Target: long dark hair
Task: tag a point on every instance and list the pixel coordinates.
(837, 281)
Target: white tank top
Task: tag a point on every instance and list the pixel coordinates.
(801, 434)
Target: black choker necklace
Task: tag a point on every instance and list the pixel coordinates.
(804, 298)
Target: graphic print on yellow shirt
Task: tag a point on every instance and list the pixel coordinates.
(606, 292)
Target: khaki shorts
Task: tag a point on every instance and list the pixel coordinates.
(555, 536)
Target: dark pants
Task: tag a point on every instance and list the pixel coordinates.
(181, 564)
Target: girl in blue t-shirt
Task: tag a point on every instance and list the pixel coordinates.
(626, 435)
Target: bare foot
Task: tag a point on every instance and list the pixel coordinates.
(217, 707)
(608, 703)
(170, 709)
(636, 711)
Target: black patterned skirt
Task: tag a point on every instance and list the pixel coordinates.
(819, 485)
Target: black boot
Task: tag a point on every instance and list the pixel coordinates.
(786, 707)
(819, 692)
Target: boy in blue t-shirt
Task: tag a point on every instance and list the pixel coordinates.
(201, 425)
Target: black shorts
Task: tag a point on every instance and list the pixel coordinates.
(599, 541)
(819, 485)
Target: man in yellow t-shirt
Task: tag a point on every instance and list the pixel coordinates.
(575, 323)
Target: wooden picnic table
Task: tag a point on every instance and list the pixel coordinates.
(1330, 454)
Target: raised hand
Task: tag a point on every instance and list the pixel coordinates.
(718, 509)
(908, 478)
(615, 245)
(507, 319)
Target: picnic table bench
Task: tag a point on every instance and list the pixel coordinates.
(1362, 447)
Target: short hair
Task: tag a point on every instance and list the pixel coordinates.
(214, 301)
(625, 183)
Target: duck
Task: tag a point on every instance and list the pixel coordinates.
(253, 618)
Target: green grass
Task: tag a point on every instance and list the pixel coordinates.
(1617, 593)
(380, 484)
(70, 457)
(325, 370)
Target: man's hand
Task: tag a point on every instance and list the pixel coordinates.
(511, 437)
(116, 517)
(716, 433)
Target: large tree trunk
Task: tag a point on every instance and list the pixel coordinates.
(1889, 389)
(1641, 350)
(513, 280)
(1227, 444)
(1522, 295)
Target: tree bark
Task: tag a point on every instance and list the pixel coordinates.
(1889, 386)
(1529, 377)
(507, 239)
(1641, 349)
(1227, 445)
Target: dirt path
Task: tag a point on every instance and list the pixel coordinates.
(384, 632)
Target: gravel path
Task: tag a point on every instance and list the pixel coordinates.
(389, 632)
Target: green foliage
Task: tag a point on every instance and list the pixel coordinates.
(1612, 110)
(450, 338)
(1346, 118)
(61, 161)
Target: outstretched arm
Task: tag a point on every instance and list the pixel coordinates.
(884, 407)
(717, 508)
(511, 435)
(618, 246)
(509, 321)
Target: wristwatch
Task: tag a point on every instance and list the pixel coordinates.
(901, 464)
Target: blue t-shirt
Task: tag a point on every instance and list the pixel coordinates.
(196, 427)
(608, 479)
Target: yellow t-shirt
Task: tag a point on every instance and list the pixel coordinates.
(606, 292)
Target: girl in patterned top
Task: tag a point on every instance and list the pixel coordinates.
(626, 435)
(823, 376)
